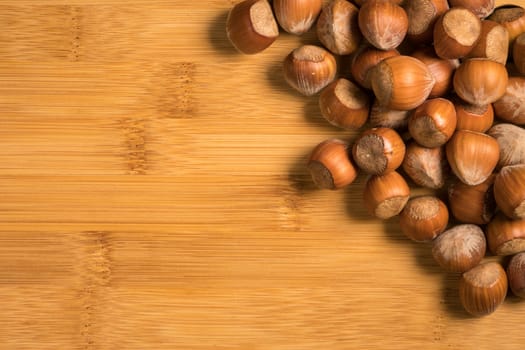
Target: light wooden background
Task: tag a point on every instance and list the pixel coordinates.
(153, 195)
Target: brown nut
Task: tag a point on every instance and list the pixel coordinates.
(456, 32)
(511, 17)
(505, 236)
(344, 104)
(509, 191)
(442, 70)
(483, 288)
(480, 81)
(511, 141)
(433, 123)
(386, 195)
(308, 69)
(472, 117)
(427, 167)
(511, 106)
(251, 27)
(459, 248)
(297, 16)
(516, 274)
(383, 117)
(401, 82)
(472, 156)
(493, 43)
(383, 23)
(330, 165)
(423, 218)
(472, 204)
(378, 151)
(422, 15)
(481, 8)
(364, 60)
(337, 27)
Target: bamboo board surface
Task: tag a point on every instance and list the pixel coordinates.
(153, 195)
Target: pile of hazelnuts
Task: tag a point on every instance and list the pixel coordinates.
(440, 87)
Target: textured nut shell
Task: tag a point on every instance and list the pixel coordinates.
(309, 69)
(251, 27)
(505, 236)
(511, 106)
(516, 274)
(422, 15)
(472, 156)
(472, 204)
(460, 248)
(480, 81)
(456, 32)
(433, 123)
(511, 141)
(378, 151)
(427, 167)
(441, 69)
(344, 104)
(386, 195)
(423, 218)
(383, 23)
(330, 165)
(483, 289)
(493, 42)
(509, 191)
(473, 118)
(401, 82)
(481, 8)
(297, 16)
(512, 18)
(387, 118)
(337, 27)
(363, 62)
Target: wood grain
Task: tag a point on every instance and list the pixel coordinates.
(153, 194)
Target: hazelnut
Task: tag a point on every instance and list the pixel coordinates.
(422, 15)
(442, 70)
(516, 274)
(364, 60)
(456, 32)
(383, 23)
(493, 43)
(433, 123)
(472, 117)
(509, 191)
(330, 165)
(472, 156)
(423, 218)
(472, 204)
(251, 27)
(483, 288)
(387, 118)
(378, 151)
(511, 143)
(512, 17)
(511, 106)
(337, 27)
(480, 81)
(386, 195)
(505, 236)
(481, 8)
(309, 68)
(297, 16)
(344, 104)
(401, 82)
(427, 167)
(460, 248)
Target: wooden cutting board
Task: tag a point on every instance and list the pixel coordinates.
(153, 195)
